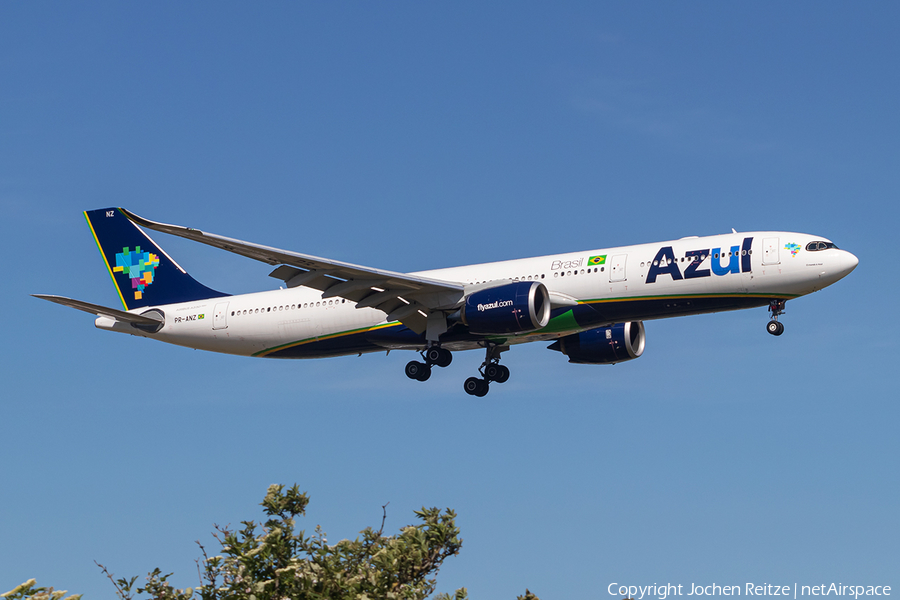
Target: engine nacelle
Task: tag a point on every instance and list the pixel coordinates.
(512, 308)
(604, 345)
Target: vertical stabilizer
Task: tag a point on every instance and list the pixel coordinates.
(143, 273)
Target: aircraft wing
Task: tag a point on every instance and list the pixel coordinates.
(101, 311)
(405, 298)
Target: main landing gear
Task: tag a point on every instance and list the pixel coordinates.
(776, 307)
(434, 355)
(490, 369)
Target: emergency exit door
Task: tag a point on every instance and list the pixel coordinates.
(617, 268)
(220, 316)
(770, 251)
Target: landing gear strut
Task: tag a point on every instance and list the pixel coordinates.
(433, 355)
(776, 307)
(490, 369)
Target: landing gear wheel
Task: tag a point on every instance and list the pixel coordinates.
(446, 358)
(775, 328)
(438, 356)
(417, 370)
(496, 372)
(476, 387)
(776, 309)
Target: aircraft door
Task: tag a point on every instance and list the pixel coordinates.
(617, 268)
(220, 314)
(770, 251)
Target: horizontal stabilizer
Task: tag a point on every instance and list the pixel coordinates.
(102, 311)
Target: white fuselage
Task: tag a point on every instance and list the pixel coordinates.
(646, 281)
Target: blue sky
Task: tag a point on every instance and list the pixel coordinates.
(412, 136)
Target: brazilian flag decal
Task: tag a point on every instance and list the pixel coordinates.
(597, 260)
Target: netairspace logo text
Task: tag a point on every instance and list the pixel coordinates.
(663, 591)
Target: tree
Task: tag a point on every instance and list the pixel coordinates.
(274, 561)
(30, 591)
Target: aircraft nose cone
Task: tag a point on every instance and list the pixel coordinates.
(848, 262)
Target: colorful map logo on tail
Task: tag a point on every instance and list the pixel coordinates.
(139, 266)
(794, 248)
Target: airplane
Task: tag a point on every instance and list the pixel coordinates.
(591, 305)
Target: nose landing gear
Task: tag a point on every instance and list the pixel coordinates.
(434, 355)
(776, 307)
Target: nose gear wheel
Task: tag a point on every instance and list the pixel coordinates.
(776, 308)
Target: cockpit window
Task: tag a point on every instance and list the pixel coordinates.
(816, 246)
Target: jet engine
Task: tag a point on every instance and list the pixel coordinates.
(512, 308)
(604, 345)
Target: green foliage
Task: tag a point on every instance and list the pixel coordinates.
(30, 591)
(275, 561)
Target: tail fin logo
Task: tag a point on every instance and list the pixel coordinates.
(139, 266)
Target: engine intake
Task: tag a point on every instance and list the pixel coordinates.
(512, 308)
(604, 345)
